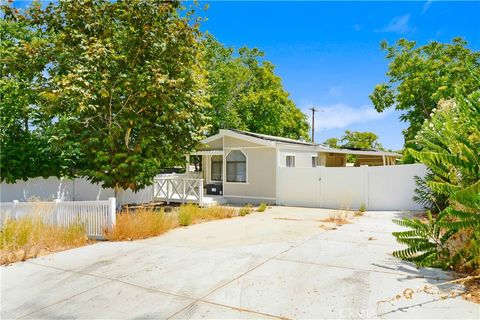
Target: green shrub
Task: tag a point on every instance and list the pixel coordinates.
(362, 208)
(187, 213)
(262, 207)
(245, 210)
(450, 148)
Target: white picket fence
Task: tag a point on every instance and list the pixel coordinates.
(95, 216)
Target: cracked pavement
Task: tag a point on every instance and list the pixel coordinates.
(283, 263)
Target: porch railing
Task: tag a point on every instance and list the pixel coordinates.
(178, 188)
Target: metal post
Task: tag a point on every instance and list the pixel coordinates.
(14, 209)
(112, 212)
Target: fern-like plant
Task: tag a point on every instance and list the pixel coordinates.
(450, 147)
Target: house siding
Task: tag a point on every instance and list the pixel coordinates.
(303, 158)
(213, 145)
(238, 143)
(261, 175)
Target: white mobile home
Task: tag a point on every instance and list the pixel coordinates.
(245, 167)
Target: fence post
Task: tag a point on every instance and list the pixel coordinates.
(14, 209)
(168, 190)
(184, 196)
(112, 212)
(55, 211)
(200, 193)
(366, 193)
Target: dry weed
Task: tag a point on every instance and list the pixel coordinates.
(189, 214)
(30, 237)
(339, 217)
(140, 224)
(471, 293)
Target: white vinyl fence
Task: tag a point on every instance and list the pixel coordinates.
(80, 189)
(379, 188)
(94, 216)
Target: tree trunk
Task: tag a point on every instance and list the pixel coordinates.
(118, 192)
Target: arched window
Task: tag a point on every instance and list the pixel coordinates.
(236, 166)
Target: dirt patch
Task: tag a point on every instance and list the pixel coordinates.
(472, 292)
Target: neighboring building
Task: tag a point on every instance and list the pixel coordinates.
(242, 166)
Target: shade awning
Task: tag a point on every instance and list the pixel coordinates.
(207, 153)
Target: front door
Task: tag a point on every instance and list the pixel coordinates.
(216, 168)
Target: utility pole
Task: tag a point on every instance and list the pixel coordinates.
(313, 109)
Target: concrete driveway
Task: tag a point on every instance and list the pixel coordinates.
(283, 263)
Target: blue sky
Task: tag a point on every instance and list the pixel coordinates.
(328, 54)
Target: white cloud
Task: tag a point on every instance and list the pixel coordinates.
(341, 116)
(427, 5)
(357, 27)
(399, 25)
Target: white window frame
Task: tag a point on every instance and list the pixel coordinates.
(294, 160)
(316, 161)
(225, 167)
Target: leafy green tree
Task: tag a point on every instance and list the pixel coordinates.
(419, 77)
(246, 94)
(360, 140)
(450, 147)
(126, 85)
(25, 135)
(332, 142)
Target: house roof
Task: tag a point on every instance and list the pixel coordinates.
(274, 141)
(274, 138)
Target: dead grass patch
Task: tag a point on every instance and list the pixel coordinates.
(339, 217)
(337, 221)
(30, 237)
(190, 214)
(472, 292)
(140, 224)
(147, 222)
(359, 213)
(215, 213)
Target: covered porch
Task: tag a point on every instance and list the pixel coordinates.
(201, 183)
(184, 188)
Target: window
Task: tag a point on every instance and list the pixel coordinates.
(216, 165)
(236, 166)
(290, 161)
(314, 161)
